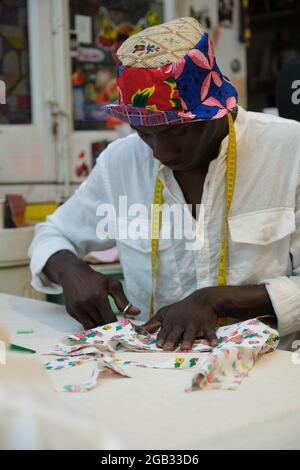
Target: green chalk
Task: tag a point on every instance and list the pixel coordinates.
(23, 331)
(16, 347)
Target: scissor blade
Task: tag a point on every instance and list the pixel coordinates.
(141, 331)
(138, 329)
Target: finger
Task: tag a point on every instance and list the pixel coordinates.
(82, 317)
(88, 313)
(73, 314)
(155, 323)
(86, 320)
(105, 313)
(200, 334)
(115, 289)
(88, 324)
(152, 325)
(210, 334)
(94, 314)
(189, 337)
(162, 336)
(173, 339)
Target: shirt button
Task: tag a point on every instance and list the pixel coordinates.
(266, 234)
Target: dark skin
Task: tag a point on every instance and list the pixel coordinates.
(86, 292)
(199, 140)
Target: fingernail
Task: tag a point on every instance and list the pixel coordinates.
(134, 310)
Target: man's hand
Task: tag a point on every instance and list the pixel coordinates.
(184, 321)
(86, 297)
(197, 314)
(86, 291)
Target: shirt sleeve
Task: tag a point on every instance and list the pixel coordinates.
(284, 291)
(74, 226)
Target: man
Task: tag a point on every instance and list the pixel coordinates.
(193, 145)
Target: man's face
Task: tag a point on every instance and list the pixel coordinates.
(183, 147)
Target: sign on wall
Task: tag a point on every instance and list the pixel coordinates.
(98, 28)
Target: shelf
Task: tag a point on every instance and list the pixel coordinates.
(255, 19)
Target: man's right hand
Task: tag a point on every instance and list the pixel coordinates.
(85, 290)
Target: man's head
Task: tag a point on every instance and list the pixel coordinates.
(172, 91)
(184, 147)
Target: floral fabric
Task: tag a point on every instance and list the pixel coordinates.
(191, 88)
(224, 367)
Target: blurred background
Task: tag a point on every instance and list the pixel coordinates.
(57, 70)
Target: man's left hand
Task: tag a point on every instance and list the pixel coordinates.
(185, 321)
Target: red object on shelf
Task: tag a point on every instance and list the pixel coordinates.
(15, 206)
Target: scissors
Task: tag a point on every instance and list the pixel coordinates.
(138, 329)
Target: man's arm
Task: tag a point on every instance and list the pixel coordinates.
(86, 291)
(197, 314)
(72, 227)
(242, 302)
(284, 291)
(61, 242)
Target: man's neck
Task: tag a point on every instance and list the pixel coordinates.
(214, 149)
(191, 182)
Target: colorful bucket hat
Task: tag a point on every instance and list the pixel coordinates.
(168, 74)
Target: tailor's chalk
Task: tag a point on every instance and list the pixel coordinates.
(24, 331)
(16, 347)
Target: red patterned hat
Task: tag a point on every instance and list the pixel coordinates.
(168, 74)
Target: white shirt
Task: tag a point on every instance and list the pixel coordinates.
(264, 222)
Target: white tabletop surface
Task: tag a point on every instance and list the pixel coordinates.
(151, 410)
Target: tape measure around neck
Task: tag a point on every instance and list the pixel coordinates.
(156, 215)
(155, 229)
(230, 182)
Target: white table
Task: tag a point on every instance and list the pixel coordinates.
(151, 409)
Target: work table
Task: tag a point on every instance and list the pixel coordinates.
(151, 410)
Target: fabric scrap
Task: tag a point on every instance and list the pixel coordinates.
(77, 350)
(104, 365)
(177, 362)
(224, 367)
(122, 333)
(239, 347)
(83, 386)
(67, 362)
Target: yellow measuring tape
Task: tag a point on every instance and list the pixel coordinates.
(156, 216)
(155, 229)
